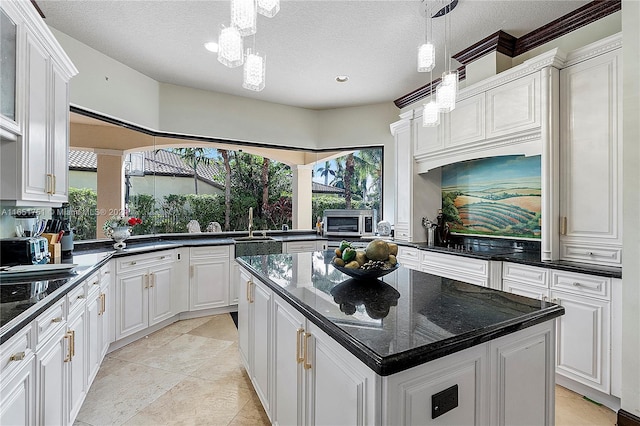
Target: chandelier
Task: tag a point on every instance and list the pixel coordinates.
(447, 90)
(244, 16)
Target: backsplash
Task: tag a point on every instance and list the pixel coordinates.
(497, 196)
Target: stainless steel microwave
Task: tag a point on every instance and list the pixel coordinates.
(349, 222)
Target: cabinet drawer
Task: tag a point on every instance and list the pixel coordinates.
(401, 232)
(15, 350)
(209, 251)
(409, 257)
(49, 321)
(581, 284)
(76, 297)
(434, 262)
(301, 246)
(531, 275)
(587, 253)
(133, 263)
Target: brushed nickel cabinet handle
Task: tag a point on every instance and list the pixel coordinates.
(73, 343)
(56, 319)
(53, 188)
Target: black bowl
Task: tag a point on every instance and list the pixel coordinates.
(365, 273)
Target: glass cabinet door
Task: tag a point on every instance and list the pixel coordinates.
(8, 33)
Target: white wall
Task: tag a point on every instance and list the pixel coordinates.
(108, 86)
(198, 112)
(631, 208)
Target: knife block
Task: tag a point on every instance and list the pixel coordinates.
(55, 251)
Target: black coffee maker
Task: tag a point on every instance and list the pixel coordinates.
(61, 217)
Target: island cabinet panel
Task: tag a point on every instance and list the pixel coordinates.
(331, 368)
(522, 378)
(254, 335)
(410, 393)
(288, 395)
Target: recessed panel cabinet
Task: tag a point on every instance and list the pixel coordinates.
(143, 292)
(208, 277)
(590, 160)
(35, 123)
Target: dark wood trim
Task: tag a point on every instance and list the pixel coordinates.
(425, 90)
(499, 41)
(155, 133)
(33, 2)
(580, 17)
(625, 418)
(511, 46)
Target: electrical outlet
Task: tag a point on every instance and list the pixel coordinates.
(444, 401)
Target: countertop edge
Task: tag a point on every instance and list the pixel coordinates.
(385, 366)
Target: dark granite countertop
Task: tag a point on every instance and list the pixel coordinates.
(401, 320)
(23, 298)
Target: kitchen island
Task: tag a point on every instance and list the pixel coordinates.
(408, 348)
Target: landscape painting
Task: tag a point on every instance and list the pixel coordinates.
(498, 196)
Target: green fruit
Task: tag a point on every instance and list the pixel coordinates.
(377, 250)
(344, 244)
(348, 254)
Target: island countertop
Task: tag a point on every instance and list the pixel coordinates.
(398, 321)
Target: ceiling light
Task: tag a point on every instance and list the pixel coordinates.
(431, 114)
(254, 71)
(211, 46)
(244, 16)
(342, 78)
(268, 8)
(231, 50)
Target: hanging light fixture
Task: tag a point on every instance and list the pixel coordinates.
(230, 47)
(447, 92)
(244, 16)
(254, 71)
(431, 114)
(427, 51)
(268, 8)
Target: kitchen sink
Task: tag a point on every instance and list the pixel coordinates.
(252, 239)
(253, 246)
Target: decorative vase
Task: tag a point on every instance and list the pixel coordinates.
(119, 235)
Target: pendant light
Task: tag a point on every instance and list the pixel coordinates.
(427, 51)
(230, 47)
(244, 16)
(268, 8)
(254, 71)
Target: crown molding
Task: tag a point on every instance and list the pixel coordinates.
(511, 46)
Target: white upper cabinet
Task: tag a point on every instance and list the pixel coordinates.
(502, 115)
(34, 120)
(513, 107)
(591, 160)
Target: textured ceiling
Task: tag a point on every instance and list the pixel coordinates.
(307, 44)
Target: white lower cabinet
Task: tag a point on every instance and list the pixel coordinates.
(341, 390)
(98, 317)
(585, 332)
(52, 356)
(143, 292)
(17, 380)
(583, 340)
(208, 277)
(77, 362)
(254, 332)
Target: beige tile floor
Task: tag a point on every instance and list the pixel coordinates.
(189, 373)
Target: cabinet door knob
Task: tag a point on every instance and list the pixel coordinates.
(17, 357)
(576, 284)
(56, 319)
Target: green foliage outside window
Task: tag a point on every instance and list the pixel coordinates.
(83, 204)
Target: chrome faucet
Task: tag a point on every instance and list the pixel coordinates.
(250, 222)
